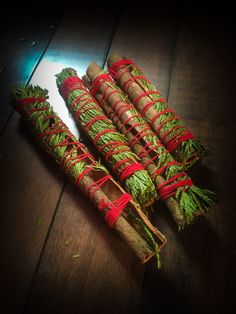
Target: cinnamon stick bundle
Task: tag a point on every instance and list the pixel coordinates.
(173, 185)
(175, 136)
(109, 142)
(114, 204)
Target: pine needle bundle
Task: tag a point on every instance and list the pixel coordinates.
(184, 200)
(114, 204)
(175, 136)
(108, 141)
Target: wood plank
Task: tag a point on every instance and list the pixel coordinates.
(198, 271)
(30, 187)
(106, 276)
(24, 37)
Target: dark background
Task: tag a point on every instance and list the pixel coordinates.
(188, 51)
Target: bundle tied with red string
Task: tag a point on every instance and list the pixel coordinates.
(104, 135)
(173, 185)
(175, 136)
(114, 204)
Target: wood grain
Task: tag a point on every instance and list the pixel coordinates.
(30, 187)
(105, 277)
(190, 58)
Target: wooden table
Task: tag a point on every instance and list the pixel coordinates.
(45, 220)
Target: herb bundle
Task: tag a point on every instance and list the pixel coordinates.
(175, 136)
(108, 141)
(114, 204)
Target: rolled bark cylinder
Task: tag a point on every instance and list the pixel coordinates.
(175, 136)
(174, 186)
(104, 135)
(114, 204)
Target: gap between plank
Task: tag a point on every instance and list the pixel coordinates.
(113, 32)
(173, 63)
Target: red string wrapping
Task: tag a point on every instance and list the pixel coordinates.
(120, 163)
(83, 173)
(114, 208)
(139, 135)
(159, 114)
(96, 138)
(128, 170)
(150, 92)
(170, 190)
(127, 84)
(92, 121)
(98, 81)
(118, 65)
(160, 170)
(167, 189)
(130, 127)
(96, 185)
(30, 100)
(70, 84)
(106, 96)
(114, 150)
(78, 100)
(111, 143)
(175, 143)
(146, 149)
